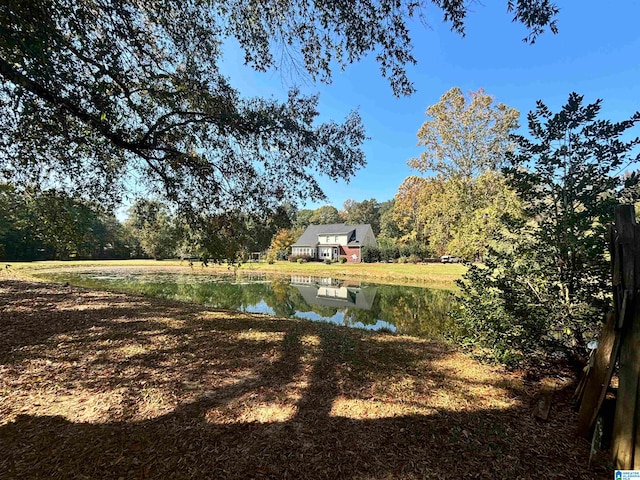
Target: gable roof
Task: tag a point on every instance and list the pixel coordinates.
(310, 236)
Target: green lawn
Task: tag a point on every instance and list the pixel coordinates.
(434, 275)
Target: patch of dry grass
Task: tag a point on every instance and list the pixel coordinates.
(102, 385)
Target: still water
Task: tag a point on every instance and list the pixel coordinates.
(405, 310)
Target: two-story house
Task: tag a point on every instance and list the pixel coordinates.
(333, 241)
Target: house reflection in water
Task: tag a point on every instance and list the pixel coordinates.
(334, 293)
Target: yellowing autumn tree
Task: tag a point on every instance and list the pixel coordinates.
(459, 210)
(454, 216)
(406, 208)
(466, 135)
(480, 214)
(282, 241)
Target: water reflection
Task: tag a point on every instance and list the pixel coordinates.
(333, 300)
(407, 310)
(330, 292)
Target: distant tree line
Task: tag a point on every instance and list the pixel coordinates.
(54, 225)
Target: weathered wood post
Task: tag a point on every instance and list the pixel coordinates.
(619, 342)
(626, 434)
(599, 376)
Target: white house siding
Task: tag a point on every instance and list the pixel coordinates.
(333, 292)
(332, 239)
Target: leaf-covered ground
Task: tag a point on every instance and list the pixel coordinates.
(102, 385)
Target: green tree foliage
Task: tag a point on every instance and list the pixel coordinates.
(153, 226)
(96, 89)
(302, 218)
(93, 91)
(325, 216)
(387, 251)
(454, 216)
(260, 229)
(482, 207)
(68, 226)
(370, 254)
(115, 240)
(459, 210)
(548, 290)
(465, 135)
(53, 225)
(18, 239)
(406, 208)
(389, 228)
(365, 212)
(232, 236)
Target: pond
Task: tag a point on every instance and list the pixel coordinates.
(405, 310)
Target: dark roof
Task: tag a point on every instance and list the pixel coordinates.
(310, 236)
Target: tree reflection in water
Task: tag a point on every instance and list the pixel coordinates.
(415, 311)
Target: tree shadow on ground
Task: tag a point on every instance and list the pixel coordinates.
(192, 394)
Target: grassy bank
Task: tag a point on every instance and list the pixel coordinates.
(103, 385)
(433, 275)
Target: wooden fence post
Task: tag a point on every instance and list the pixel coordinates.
(626, 427)
(599, 377)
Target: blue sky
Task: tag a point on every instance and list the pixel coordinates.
(595, 54)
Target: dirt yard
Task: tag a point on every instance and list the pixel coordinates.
(97, 385)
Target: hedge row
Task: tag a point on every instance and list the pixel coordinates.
(404, 254)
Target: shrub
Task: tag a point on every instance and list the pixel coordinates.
(302, 260)
(500, 315)
(548, 286)
(296, 258)
(370, 254)
(270, 257)
(415, 248)
(327, 261)
(414, 258)
(343, 259)
(389, 254)
(403, 259)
